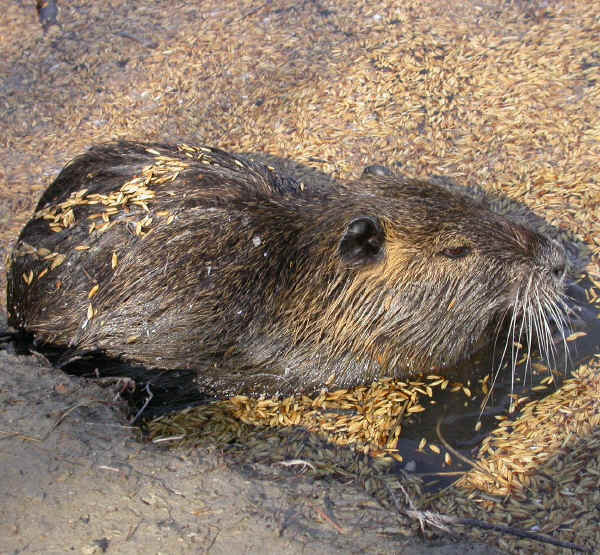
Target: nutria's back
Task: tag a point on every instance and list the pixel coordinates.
(184, 257)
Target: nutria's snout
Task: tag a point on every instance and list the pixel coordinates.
(540, 314)
(544, 258)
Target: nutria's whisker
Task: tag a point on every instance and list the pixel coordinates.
(530, 315)
(509, 334)
(549, 349)
(558, 311)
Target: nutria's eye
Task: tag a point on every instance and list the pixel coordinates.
(456, 252)
(362, 242)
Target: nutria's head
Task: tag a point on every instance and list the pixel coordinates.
(426, 276)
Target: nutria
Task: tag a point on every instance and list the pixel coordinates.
(179, 257)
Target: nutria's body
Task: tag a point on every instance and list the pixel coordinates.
(180, 257)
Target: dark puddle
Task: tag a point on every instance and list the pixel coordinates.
(452, 414)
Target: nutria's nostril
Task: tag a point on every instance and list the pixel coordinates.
(556, 258)
(558, 272)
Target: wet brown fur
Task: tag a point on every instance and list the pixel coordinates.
(261, 283)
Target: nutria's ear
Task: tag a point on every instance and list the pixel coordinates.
(362, 242)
